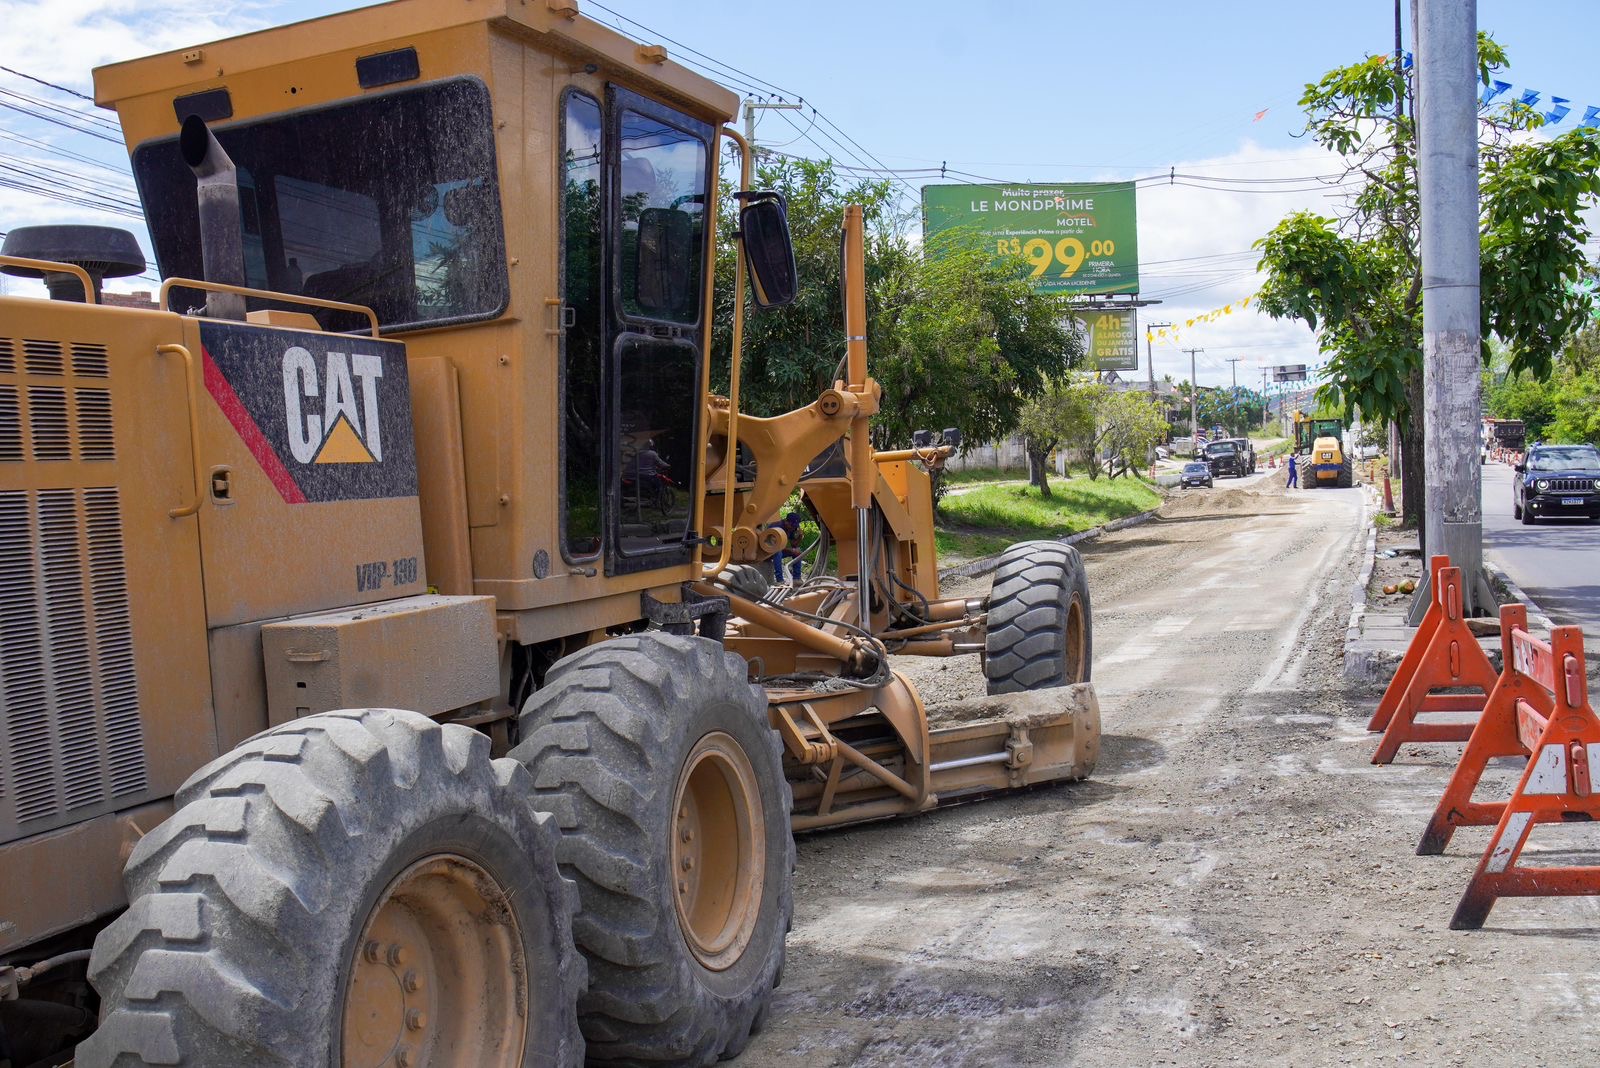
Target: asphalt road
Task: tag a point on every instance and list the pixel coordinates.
(1235, 885)
(1557, 561)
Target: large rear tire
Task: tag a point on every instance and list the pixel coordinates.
(656, 756)
(1344, 479)
(357, 888)
(1040, 629)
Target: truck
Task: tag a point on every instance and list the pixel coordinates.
(388, 667)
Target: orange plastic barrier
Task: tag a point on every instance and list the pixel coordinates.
(1444, 654)
(1539, 708)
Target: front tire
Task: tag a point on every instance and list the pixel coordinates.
(1527, 516)
(338, 890)
(1040, 628)
(657, 758)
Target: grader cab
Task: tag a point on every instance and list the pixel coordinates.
(389, 666)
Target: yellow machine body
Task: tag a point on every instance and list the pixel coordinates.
(212, 525)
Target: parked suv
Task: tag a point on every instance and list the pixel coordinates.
(1559, 480)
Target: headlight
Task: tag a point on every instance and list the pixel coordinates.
(1543, 485)
(1597, 483)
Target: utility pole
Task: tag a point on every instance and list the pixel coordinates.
(1194, 396)
(751, 104)
(1233, 401)
(1447, 119)
(1149, 353)
(1264, 403)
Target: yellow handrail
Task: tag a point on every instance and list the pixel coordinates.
(55, 267)
(194, 425)
(267, 294)
(731, 456)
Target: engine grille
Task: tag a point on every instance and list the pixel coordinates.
(70, 731)
(53, 413)
(1571, 485)
(67, 684)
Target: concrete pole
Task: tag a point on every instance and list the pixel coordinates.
(1447, 114)
(1194, 396)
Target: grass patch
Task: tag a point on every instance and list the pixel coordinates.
(1013, 513)
(1383, 519)
(983, 474)
(954, 544)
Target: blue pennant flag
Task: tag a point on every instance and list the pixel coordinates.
(1558, 111)
(1492, 91)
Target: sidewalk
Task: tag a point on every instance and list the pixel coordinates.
(1377, 635)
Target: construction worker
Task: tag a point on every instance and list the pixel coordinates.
(1294, 473)
(790, 525)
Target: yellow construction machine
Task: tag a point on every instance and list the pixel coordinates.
(390, 671)
(1321, 442)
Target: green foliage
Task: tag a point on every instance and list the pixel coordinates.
(1238, 412)
(1357, 279)
(1563, 407)
(954, 339)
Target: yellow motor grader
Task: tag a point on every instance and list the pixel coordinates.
(389, 671)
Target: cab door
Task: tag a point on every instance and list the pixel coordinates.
(658, 175)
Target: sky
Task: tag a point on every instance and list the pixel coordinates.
(1044, 93)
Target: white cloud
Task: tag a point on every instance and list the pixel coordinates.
(62, 40)
(1180, 226)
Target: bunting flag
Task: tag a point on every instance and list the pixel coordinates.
(1560, 107)
(1261, 114)
(1173, 333)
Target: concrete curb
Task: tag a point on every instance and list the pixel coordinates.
(984, 565)
(1536, 615)
(1360, 665)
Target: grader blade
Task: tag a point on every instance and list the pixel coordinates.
(1005, 741)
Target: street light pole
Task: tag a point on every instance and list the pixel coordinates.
(1149, 353)
(1447, 113)
(1194, 394)
(1233, 404)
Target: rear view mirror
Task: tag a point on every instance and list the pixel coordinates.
(768, 248)
(1520, 468)
(662, 287)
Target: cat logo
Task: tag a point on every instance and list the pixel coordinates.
(326, 416)
(344, 433)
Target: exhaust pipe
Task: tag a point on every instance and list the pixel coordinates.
(221, 228)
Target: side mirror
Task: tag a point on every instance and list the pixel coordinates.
(768, 248)
(662, 286)
(1520, 468)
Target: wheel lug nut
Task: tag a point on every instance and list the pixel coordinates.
(370, 951)
(412, 982)
(688, 836)
(402, 1057)
(683, 813)
(683, 887)
(688, 863)
(416, 1019)
(398, 954)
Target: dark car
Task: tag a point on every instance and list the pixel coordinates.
(1557, 480)
(1196, 474)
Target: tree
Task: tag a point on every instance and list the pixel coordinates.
(955, 339)
(1064, 412)
(1357, 279)
(1564, 407)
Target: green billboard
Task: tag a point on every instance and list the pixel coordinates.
(1080, 238)
(1113, 339)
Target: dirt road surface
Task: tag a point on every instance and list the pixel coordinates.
(1235, 885)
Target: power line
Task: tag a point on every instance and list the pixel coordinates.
(52, 85)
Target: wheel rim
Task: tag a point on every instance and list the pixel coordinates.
(718, 850)
(1074, 640)
(439, 977)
